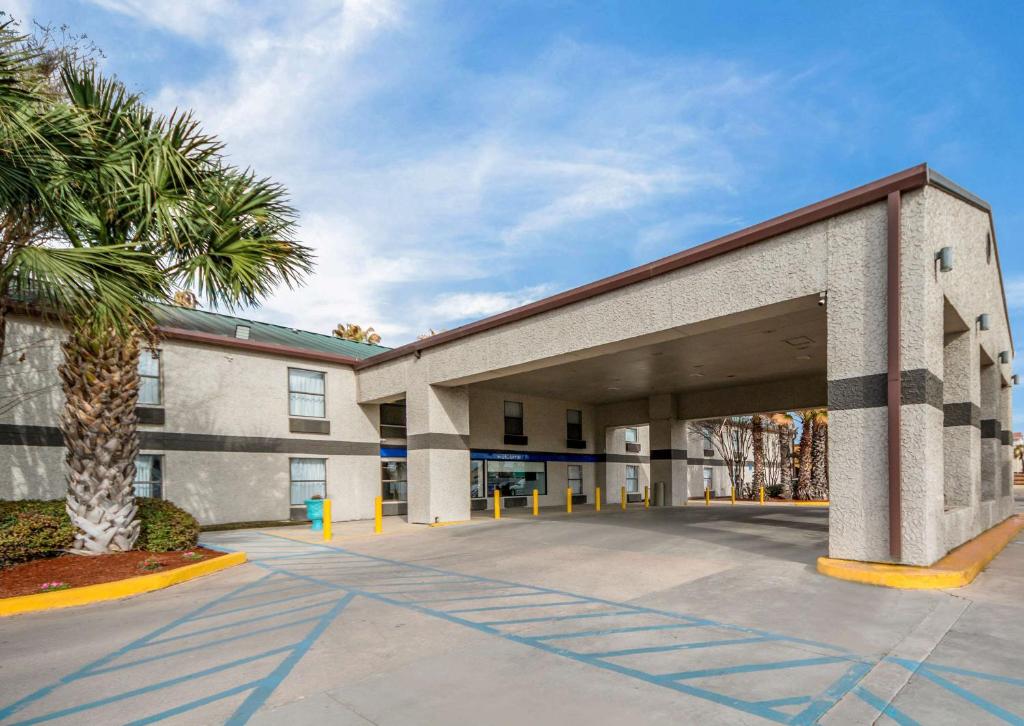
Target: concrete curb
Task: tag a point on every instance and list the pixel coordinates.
(117, 589)
(956, 569)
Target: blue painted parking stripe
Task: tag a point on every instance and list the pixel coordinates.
(973, 698)
(257, 698)
(256, 606)
(885, 708)
(839, 688)
(961, 671)
(555, 618)
(750, 668)
(608, 631)
(191, 705)
(791, 701)
(481, 597)
(74, 710)
(201, 646)
(520, 606)
(238, 623)
(677, 646)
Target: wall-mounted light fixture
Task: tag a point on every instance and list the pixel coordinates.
(984, 321)
(1015, 378)
(945, 258)
(1004, 356)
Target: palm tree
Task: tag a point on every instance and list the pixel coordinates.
(168, 198)
(356, 333)
(757, 444)
(185, 299)
(803, 484)
(43, 150)
(784, 427)
(819, 455)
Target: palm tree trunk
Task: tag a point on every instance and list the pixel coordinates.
(819, 461)
(786, 461)
(803, 484)
(757, 444)
(100, 379)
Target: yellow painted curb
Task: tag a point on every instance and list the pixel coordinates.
(451, 524)
(809, 504)
(956, 569)
(117, 589)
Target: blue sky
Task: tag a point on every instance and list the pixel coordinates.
(454, 159)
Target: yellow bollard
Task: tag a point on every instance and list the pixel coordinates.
(622, 500)
(378, 515)
(327, 520)
(732, 494)
(597, 499)
(536, 504)
(647, 497)
(707, 497)
(762, 495)
(568, 500)
(497, 504)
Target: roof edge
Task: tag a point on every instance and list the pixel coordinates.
(195, 336)
(912, 178)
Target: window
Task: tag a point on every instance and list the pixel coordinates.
(632, 479)
(476, 480)
(306, 393)
(513, 418)
(394, 480)
(149, 476)
(392, 420)
(149, 377)
(708, 484)
(708, 444)
(735, 442)
(632, 436)
(574, 425)
(308, 478)
(576, 478)
(516, 478)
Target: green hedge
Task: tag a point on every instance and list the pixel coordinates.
(31, 529)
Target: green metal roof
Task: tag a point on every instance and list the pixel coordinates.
(171, 316)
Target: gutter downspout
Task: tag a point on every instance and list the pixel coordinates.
(895, 387)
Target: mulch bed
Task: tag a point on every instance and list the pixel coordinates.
(78, 570)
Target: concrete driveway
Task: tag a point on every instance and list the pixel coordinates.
(696, 615)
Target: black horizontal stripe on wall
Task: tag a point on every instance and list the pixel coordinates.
(918, 386)
(452, 442)
(21, 435)
(673, 454)
(961, 414)
(1006, 437)
(623, 458)
(990, 428)
(698, 461)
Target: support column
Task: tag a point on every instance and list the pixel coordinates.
(437, 421)
(961, 419)
(991, 426)
(668, 450)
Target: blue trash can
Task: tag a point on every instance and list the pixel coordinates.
(315, 512)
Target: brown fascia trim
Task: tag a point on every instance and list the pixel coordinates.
(877, 191)
(222, 341)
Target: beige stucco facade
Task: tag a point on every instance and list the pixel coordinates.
(787, 315)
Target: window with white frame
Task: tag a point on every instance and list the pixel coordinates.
(708, 444)
(149, 377)
(576, 478)
(632, 436)
(149, 476)
(632, 479)
(708, 476)
(306, 393)
(574, 424)
(308, 479)
(514, 418)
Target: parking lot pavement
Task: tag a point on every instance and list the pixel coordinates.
(709, 615)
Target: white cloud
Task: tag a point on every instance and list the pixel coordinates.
(428, 187)
(20, 10)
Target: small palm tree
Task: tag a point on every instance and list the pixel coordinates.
(757, 422)
(158, 189)
(356, 333)
(819, 456)
(803, 484)
(784, 427)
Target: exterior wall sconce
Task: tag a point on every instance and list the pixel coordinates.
(984, 321)
(1004, 356)
(945, 258)
(1015, 378)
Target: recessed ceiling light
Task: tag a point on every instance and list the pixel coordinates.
(613, 388)
(803, 357)
(800, 341)
(696, 375)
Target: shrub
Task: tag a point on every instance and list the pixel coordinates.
(165, 527)
(775, 490)
(32, 529)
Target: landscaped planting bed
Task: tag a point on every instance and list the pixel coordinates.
(67, 571)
